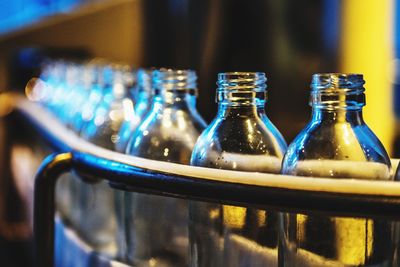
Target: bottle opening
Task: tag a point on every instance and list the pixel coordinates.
(170, 79)
(337, 90)
(242, 88)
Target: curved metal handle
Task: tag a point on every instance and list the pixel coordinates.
(44, 207)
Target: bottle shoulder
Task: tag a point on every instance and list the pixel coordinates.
(240, 144)
(165, 136)
(325, 149)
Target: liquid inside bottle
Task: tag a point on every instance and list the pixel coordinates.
(336, 143)
(241, 137)
(155, 226)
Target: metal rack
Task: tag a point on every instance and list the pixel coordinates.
(275, 192)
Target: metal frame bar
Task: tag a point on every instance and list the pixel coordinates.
(129, 178)
(44, 206)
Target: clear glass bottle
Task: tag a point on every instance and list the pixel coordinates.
(72, 92)
(142, 97)
(241, 137)
(57, 83)
(89, 96)
(336, 143)
(68, 187)
(156, 228)
(102, 82)
(96, 214)
(66, 87)
(110, 112)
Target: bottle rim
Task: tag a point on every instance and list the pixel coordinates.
(242, 81)
(331, 91)
(341, 81)
(174, 79)
(242, 88)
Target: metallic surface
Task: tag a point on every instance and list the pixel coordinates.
(44, 209)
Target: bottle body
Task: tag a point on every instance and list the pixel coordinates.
(142, 97)
(237, 139)
(338, 144)
(95, 217)
(92, 97)
(156, 227)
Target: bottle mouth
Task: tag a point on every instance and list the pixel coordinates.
(337, 90)
(242, 81)
(173, 79)
(242, 88)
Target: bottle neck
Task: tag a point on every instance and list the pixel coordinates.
(174, 88)
(337, 97)
(175, 99)
(251, 111)
(352, 116)
(243, 93)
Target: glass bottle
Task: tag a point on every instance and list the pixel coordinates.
(241, 137)
(142, 97)
(57, 83)
(65, 84)
(108, 115)
(68, 187)
(156, 228)
(72, 92)
(96, 214)
(89, 96)
(101, 84)
(336, 143)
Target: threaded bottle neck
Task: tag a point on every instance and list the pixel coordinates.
(332, 91)
(241, 88)
(174, 80)
(174, 86)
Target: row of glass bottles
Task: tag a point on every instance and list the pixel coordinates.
(335, 143)
(153, 230)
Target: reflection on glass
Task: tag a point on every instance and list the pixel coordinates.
(95, 216)
(241, 137)
(57, 84)
(142, 97)
(71, 94)
(156, 227)
(89, 97)
(336, 143)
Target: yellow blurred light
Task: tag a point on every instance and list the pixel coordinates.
(7, 102)
(354, 240)
(234, 217)
(301, 221)
(261, 218)
(214, 213)
(366, 47)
